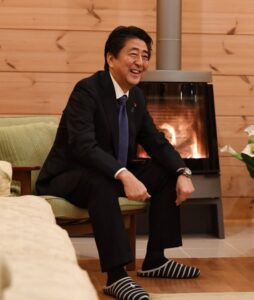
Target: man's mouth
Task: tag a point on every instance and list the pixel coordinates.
(135, 71)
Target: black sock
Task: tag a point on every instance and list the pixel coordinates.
(116, 274)
(153, 259)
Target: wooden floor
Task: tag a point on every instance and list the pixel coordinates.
(217, 275)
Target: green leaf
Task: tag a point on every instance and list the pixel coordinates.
(249, 161)
(237, 156)
(251, 141)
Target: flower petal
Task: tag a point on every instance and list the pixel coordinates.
(228, 149)
(249, 150)
(231, 151)
(249, 130)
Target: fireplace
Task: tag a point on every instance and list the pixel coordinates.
(182, 106)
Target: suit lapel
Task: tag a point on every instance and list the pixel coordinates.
(108, 99)
(131, 106)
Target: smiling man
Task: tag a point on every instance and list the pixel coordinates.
(92, 163)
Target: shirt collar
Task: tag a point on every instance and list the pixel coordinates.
(118, 90)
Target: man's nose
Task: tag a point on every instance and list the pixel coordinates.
(139, 60)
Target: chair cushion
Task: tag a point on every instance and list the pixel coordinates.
(65, 210)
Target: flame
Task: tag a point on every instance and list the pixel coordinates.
(184, 138)
(169, 133)
(194, 146)
(191, 146)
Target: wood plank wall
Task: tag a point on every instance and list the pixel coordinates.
(46, 46)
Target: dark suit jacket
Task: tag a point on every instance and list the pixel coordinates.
(87, 137)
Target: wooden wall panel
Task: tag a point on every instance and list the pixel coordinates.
(78, 51)
(235, 179)
(218, 16)
(89, 15)
(221, 54)
(36, 93)
(102, 4)
(52, 51)
(238, 208)
(237, 190)
(234, 95)
(79, 18)
(230, 130)
(199, 16)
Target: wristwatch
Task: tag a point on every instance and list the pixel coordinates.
(184, 171)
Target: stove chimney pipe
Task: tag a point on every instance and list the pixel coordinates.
(168, 50)
(168, 47)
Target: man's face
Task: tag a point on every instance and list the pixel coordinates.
(130, 64)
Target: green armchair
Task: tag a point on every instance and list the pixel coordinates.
(25, 142)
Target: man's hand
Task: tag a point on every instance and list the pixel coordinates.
(184, 188)
(133, 188)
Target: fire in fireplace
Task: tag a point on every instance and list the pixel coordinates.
(184, 112)
(179, 112)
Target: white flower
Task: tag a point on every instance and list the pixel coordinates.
(249, 150)
(247, 154)
(230, 150)
(249, 130)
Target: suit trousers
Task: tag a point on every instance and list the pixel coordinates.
(99, 194)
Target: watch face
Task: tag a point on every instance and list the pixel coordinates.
(187, 171)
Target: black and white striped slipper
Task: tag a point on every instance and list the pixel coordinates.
(126, 289)
(171, 269)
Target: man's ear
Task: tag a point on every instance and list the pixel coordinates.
(110, 58)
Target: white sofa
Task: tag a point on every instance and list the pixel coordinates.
(39, 254)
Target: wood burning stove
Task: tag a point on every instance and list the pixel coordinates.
(182, 106)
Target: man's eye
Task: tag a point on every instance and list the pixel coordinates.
(133, 54)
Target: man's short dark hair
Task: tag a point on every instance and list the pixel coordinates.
(120, 35)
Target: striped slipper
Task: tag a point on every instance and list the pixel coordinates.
(126, 289)
(171, 269)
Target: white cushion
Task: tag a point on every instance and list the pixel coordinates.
(5, 178)
(37, 278)
(5, 278)
(39, 253)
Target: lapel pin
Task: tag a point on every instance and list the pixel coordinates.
(134, 105)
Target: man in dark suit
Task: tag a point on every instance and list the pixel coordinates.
(92, 163)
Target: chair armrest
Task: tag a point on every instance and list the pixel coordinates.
(23, 175)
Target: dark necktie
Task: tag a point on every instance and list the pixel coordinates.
(123, 131)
